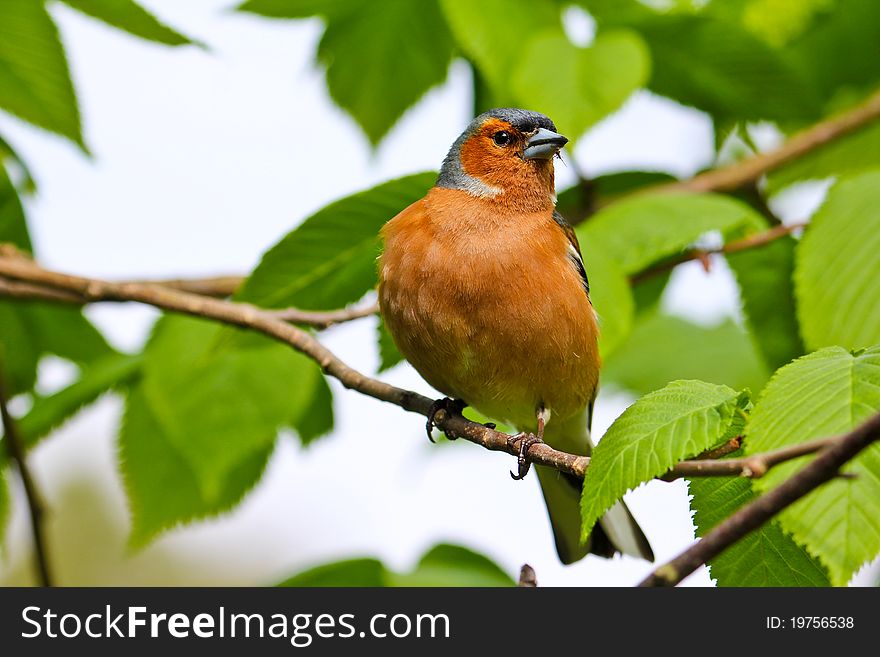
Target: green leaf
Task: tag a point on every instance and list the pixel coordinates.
(639, 231)
(218, 406)
(679, 421)
(618, 12)
(65, 332)
(351, 572)
(214, 415)
(329, 260)
(717, 66)
(587, 84)
(575, 202)
(767, 292)
(362, 59)
(19, 353)
(626, 182)
(720, 354)
(778, 22)
(484, 98)
(443, 565)
(9, 156)
(453, 565)
(295, 8)
(648, 293)
(838, 266)
(129, 16)
(851, 154)
(48, 413)
(5, 507)
(34, 79)
(611, 297)
(819, 38)
(494, 35)
(389, 356)
(30, 329)
(847, 32)
(360, 54)
(765, 557)
(13, 227)
(162, 488)
(825, 393)
(316, 420)
(707, 58)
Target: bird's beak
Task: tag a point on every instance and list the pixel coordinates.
(543, 145)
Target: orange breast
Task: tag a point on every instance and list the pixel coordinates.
(489, 308)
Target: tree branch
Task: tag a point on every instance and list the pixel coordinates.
(29, 292)
(527, 577)
(753, 467)
(324, 318)
(749, 170)
(833, 455)
(14, 445)
(25, 272)
(320, 319)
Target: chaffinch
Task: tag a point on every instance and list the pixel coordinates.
(483, 289)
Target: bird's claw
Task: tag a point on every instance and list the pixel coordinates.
(445, 404)
(526, 440)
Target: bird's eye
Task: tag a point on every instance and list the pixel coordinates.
(501, 138)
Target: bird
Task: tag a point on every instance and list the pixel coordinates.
(483, 289)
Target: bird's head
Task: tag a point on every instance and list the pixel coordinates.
(506, 155)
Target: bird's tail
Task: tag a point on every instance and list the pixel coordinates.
(617, 531)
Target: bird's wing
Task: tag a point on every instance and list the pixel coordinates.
(574, 254)
(574, 250)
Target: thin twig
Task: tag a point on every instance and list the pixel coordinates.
(527, 577)
(756, 198)
(14, 445)
(753, 467)
(723, 449)
(324, 318)
(751, 242)
(825, 467)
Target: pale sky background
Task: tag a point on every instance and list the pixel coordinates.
(202, 160)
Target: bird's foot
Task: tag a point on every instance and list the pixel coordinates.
(526, 440)
(455, 406)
